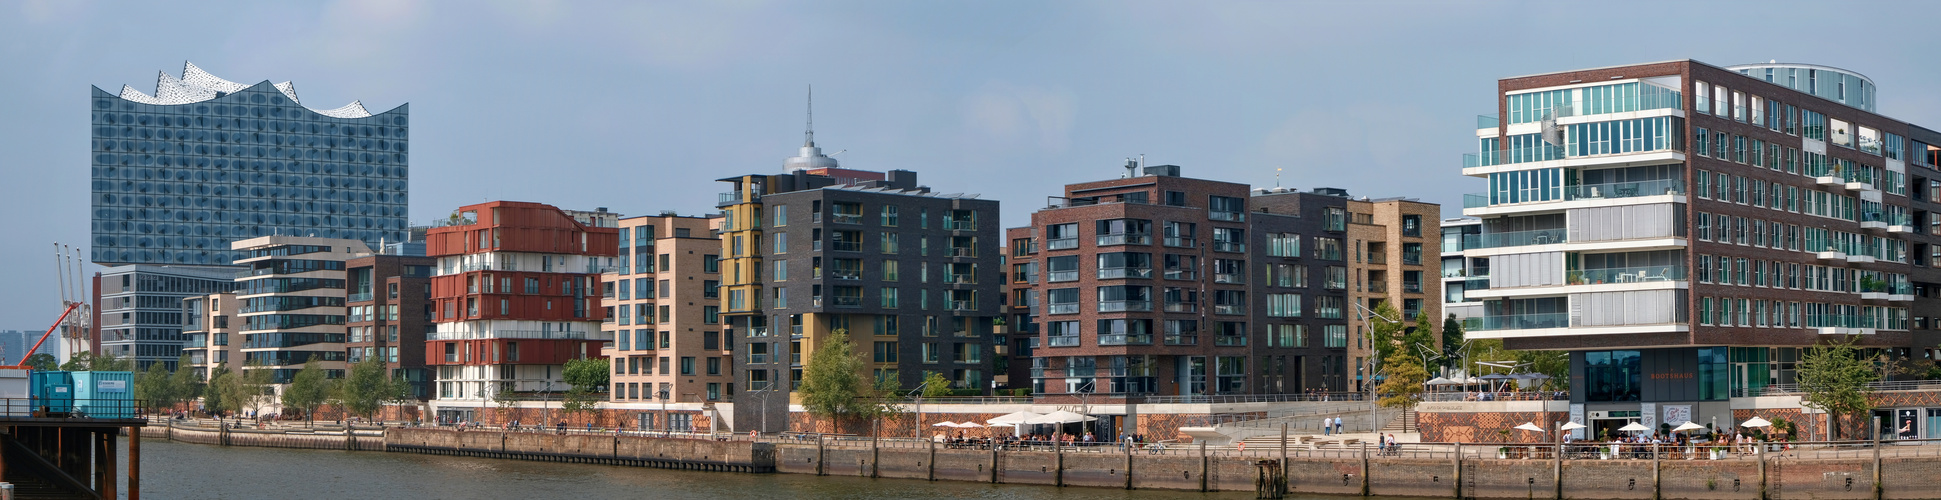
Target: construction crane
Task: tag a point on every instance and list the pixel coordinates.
(73, 327)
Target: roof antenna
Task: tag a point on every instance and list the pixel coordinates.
(808, 133)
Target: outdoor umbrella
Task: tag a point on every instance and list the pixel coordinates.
(1688, 426)
(1012, 418)
(1571, 426)
(1059, 417)
(967, 425)
(945, 423)
(1634, 427)
(1756, 422)
(1440, 381)
(1530, 426)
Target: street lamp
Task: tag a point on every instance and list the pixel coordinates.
(664, 424)
(1364, 313)
(763, 393)
(918, 395)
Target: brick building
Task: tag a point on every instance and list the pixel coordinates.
(664, 312)
(389, 298)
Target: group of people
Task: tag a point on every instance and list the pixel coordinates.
(1330, 426)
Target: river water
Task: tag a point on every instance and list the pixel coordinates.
(181, 471)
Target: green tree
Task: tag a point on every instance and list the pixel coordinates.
(186, 383)
(79, 362)
(155, 387)
(1384, 330)
(252, 388)
(1402, 386)
(588, 378)
(1452, 340)
(308, 389)
(215, 395)
(1834, 376)
(41, 361)
(366, 389)
(1555, 364)
(110, 363)
(935, 385)
(833, 385)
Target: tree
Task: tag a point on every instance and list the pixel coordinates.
(251, 388)
(154, 387)
(935, 385)
(110, 363)
(1402, 386)
(185, 384)
(215, 396)
(42, 362)
(308, 389)
(366, 389)
(1556, 364)
(833, 386)
(1384, 330)
(588, 378)
(1452, 340)
(1834, 376)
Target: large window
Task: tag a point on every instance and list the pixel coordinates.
(1612, 376)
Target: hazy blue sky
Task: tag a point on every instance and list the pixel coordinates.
(638, 106)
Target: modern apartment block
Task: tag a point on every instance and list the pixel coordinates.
(204, 161)
(1684, 229)
(515, 293)
(293, 308)
(390, 314)
(1155, 284)
(664, 312)
(214, 332)
(139, 309)
(912, 275)
(1461, 273)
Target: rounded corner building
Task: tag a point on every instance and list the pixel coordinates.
(205, 161)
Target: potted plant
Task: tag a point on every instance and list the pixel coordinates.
(1575, 277)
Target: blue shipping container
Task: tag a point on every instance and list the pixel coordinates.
(51, 391)
(104, 394)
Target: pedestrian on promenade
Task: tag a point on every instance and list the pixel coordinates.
(1327, 426)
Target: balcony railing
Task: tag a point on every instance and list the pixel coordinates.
(1180, 241)
(1068, 308)
(846, 301)
(1378, 287)
(1125, 339)
(1377, 258)
(1605, 191)
(1106, 273)
(1060, 276)
(1061, 244)
(725, 199)
(1487, 121)
(960, 225)
(359, 297)
(1229, 309)
(1062, 340)
(1182, 339)
(845, 246)
(1230, 246)
(1648, 98)
(1125, 239)
(518, 334)
(1230, 278)
(1517, 322)
(1125, 305)
(1515, 238)
(963, 252)
(962, 305)
(846, 218)
(1627, 275)
(1230, 340)
(1411, 287)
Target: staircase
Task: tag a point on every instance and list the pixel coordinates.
(1404, 423)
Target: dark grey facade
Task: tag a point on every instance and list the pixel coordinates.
(140, 309)
(204, 162)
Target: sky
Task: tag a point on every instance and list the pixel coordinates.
(638, 106)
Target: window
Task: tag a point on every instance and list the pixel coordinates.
(1287, 275)
(889, 216)
(780, 215)
(889, 297)
(1125, 298)
(1061, 301)
(1327, 248)
(1186, 267)
(1231, 271)
(889, 270)
(781, 270)
(1061, 268)
(888, 242)
(1229, 302)
(1337, 219)
(709, 263)
(885, 352)
(781, 243)
(1180, 234)
(1229, 239)
(1176, 198)
(1328, 307)
(1412, 225)
(1124, 232)
(1226, 208)
(1283, 245)
(1117, 265)
(1284, 305)
(1061, 236)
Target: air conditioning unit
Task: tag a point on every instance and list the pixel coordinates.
(1598, 414)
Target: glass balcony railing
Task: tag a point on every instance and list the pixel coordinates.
(1125, 339)
(1061, 243)
(1841, 321)
(1517, 322)
(1648, 98)
(1611, 190)
(1106, 273)
(1515, 238)
(1230, 340)
(1182, 339)
(1512, 156)
(1643, 274)
(1125, 239)
(1125, 305)
(1062, 340)
(1487, 121)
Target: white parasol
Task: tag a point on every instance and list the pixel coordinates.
(1756, 422)
(1530, 426)
(1688, 426)
(1634, 427)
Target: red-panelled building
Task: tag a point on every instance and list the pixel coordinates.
(515, 297)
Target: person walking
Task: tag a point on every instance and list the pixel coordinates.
(1327, 426)
(1337, 425)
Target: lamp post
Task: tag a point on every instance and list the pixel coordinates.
(918, 395)
(662, 395)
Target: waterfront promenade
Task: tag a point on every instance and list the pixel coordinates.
(1857, 470)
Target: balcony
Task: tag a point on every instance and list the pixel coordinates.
(1517, 322)
(1411, 287)
(1230, 278)
(1227, 216)
(960, 225)
(1125, 339)
(962, 306)
(1181, 242)
(1378, 287)
(1515, 238)
(1125, 305)
(359, 297)
(846, 301)
(1107, 273)
(1627, 275)
(1606, 191)
(1182, 307)
(516, 334)
(960, 279)
(1061, 276)
(1065, 308)
(1125, 239)
(845, 246)
(1376, 258)
(1487, 121)
(962, 252)
(1061, 244)
(1062, 340)
(1649, 97)
(1237, 310)
(846, 218)
(1182, 339)
(846, 274)
(1230, 341)
(1230, 246)
(725, 199)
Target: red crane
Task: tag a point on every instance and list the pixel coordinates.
(43, 337)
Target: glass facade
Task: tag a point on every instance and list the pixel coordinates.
(176, 183)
